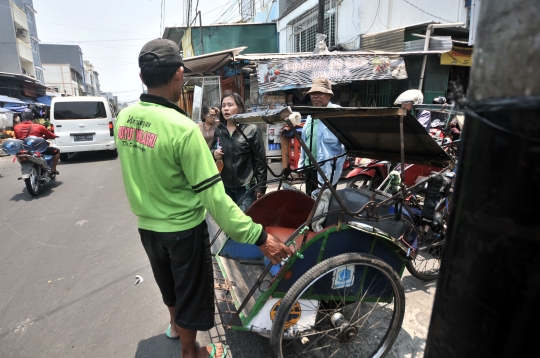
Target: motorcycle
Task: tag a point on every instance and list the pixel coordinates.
(35, 167)
(368, 176)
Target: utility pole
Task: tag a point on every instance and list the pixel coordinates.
(486, 304)
(320, 42)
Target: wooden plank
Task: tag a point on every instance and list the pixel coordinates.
(244, 278)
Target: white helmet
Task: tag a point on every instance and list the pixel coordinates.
(414, 96)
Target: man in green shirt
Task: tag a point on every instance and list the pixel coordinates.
(171, 180)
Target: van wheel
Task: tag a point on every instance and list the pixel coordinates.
(64, 157)
(114, 153)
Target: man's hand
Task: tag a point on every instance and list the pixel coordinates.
(275, 250)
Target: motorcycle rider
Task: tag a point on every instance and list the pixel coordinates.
(410, 97)
(29, 128)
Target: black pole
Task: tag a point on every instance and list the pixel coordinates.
(486, 304)
(200, 30)
(320, 19)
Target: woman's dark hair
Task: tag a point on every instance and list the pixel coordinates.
(204, 112)
(236, 98)
(156, 76)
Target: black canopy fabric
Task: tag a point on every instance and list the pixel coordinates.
(375, 133)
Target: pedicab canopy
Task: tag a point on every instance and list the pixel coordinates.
(368, 132)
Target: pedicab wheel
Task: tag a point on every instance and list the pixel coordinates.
(427, 263)
(359, 304)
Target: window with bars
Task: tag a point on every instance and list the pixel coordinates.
(302, 30)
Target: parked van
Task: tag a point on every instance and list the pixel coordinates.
(82, 124)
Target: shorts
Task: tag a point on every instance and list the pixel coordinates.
(51, 151)
(182, 266)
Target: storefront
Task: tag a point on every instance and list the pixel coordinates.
(270, 81)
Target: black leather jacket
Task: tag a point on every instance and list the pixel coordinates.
(240, 159)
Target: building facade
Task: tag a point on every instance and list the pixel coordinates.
(56, 59)
(345, 21)
(19, 39)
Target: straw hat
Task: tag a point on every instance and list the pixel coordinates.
(321, 84)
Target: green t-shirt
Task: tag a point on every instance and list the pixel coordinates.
(169, 174)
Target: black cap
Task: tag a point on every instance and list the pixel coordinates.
(165, 52)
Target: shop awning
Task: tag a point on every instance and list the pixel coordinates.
(45, 100)
(7, 99)
(277, 72)
(207, 64)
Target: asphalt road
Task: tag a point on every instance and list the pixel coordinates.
(68, 261)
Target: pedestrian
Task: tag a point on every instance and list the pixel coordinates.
(242, 151)
(208, 124)
(410, 97)
(170, 179)
(321, 142)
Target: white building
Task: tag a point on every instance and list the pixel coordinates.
(346, 21)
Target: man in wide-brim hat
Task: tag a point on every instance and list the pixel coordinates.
(322, 143)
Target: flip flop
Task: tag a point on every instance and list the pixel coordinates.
(168, 333)
(214, 350)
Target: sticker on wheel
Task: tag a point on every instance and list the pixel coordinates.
(294, 314)
(343, 277)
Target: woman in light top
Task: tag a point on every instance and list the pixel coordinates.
(209, 122)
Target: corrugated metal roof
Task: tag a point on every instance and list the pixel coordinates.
(210, 62)
(391, 40)
(439, 44)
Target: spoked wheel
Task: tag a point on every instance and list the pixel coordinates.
(427, 263)
(351, 305)
(32, 183)
(363, 181)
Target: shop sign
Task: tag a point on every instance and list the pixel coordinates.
(459, 56)
(299, 72)
(187, 48)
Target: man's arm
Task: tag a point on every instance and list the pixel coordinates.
(48, 134)
(205, 180)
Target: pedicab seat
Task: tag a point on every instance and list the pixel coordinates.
(355, 199)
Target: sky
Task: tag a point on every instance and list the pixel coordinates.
(112, 32)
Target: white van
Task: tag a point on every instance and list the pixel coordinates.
(82, 124)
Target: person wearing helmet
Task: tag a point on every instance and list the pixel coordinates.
(410, 97)
(439, 115)
(29, 128)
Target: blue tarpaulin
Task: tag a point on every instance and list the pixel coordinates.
(10, 100)
(45, 100)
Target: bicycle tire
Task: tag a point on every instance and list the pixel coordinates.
(381, 274)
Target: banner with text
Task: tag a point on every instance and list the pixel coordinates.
(299, 72)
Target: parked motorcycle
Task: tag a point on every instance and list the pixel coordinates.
(368, 176)
(35, 167)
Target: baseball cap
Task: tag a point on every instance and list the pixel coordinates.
(165, 52)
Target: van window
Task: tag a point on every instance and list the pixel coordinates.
(79, 110)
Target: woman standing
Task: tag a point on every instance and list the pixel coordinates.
(208, 124)
(244, 162)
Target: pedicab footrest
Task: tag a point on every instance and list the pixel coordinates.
(224, 300)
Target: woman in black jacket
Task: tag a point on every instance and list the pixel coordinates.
(244, 162)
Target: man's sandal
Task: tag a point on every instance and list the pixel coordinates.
(214, 350)
(168, 333)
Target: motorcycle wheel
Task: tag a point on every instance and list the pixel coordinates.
(363, 181)
(32, 183)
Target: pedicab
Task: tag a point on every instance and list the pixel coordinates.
(340, 294)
